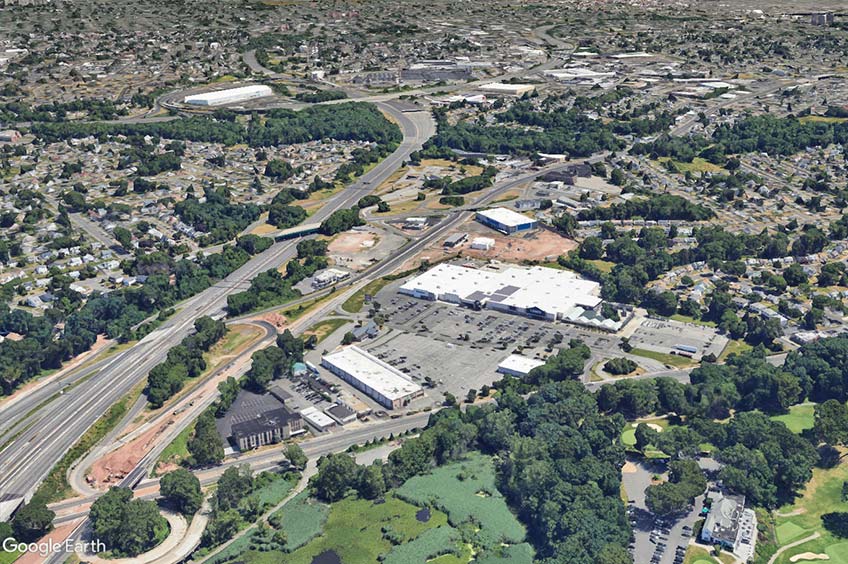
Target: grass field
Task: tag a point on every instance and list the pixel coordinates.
(466, 492)
(9, 557)
(604, 266)
(355, 303)
(698, 555)
(799, 418)
(177, 451)
(823, 494)
(325, 328)
(687, 319)
(734, 346)
(697, 165)
(669, 359)
(822, 119)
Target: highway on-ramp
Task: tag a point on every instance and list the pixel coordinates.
(51, 429)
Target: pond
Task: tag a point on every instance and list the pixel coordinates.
(327, 557)
(423, 515)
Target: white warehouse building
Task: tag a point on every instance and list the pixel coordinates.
(538, 292)
(230, 95)
(382, 382)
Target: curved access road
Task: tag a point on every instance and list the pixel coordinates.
(48, 431)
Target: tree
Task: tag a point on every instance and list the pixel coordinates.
(619, 366)
(296, 456)
(266, 365)
(592, 248)
(235, 485)
(143, 528)
(206, 446)
(685, 483)
(32, 521)
(337, 473)
(830, 422)
(182, 488)
(645, 435)
(836, 523)
(127, 526)
(123, 236)
(371, 484)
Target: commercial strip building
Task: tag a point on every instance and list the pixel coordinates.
(506, 221)
(537, 292)
(229, 96)
(507, 89)
(518, 365)
(387, 385)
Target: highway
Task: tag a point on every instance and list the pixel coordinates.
(47, 432)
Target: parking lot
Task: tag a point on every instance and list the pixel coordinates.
(663, 335)
(486, 329)
(446, 366)
(658, 540)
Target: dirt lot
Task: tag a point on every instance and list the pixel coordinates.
(352, 242)
(357, 250)
(538, 245)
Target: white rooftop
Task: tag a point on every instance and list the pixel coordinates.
(505, 216)
(320, 420)
(220, 96)
(519, 364)
(556, 291)
(373, 372)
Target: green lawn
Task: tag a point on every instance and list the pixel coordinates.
(669, 359)
(325, 328)
(9, 557)
(799, 418)
(355, 303)
(823, 494)
(699, 555)
(604, 266)
(687, 319)
(734, 346)
(177, 451)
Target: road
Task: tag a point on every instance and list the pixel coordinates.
(49, 431)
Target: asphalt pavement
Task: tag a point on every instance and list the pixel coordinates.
(53, 428)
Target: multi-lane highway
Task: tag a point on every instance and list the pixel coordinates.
(47, 428)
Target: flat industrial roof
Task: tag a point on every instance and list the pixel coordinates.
(519, 363)
(506, 217)
(230, 93)
(373, 372)
(315, 417)
(548, 289)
